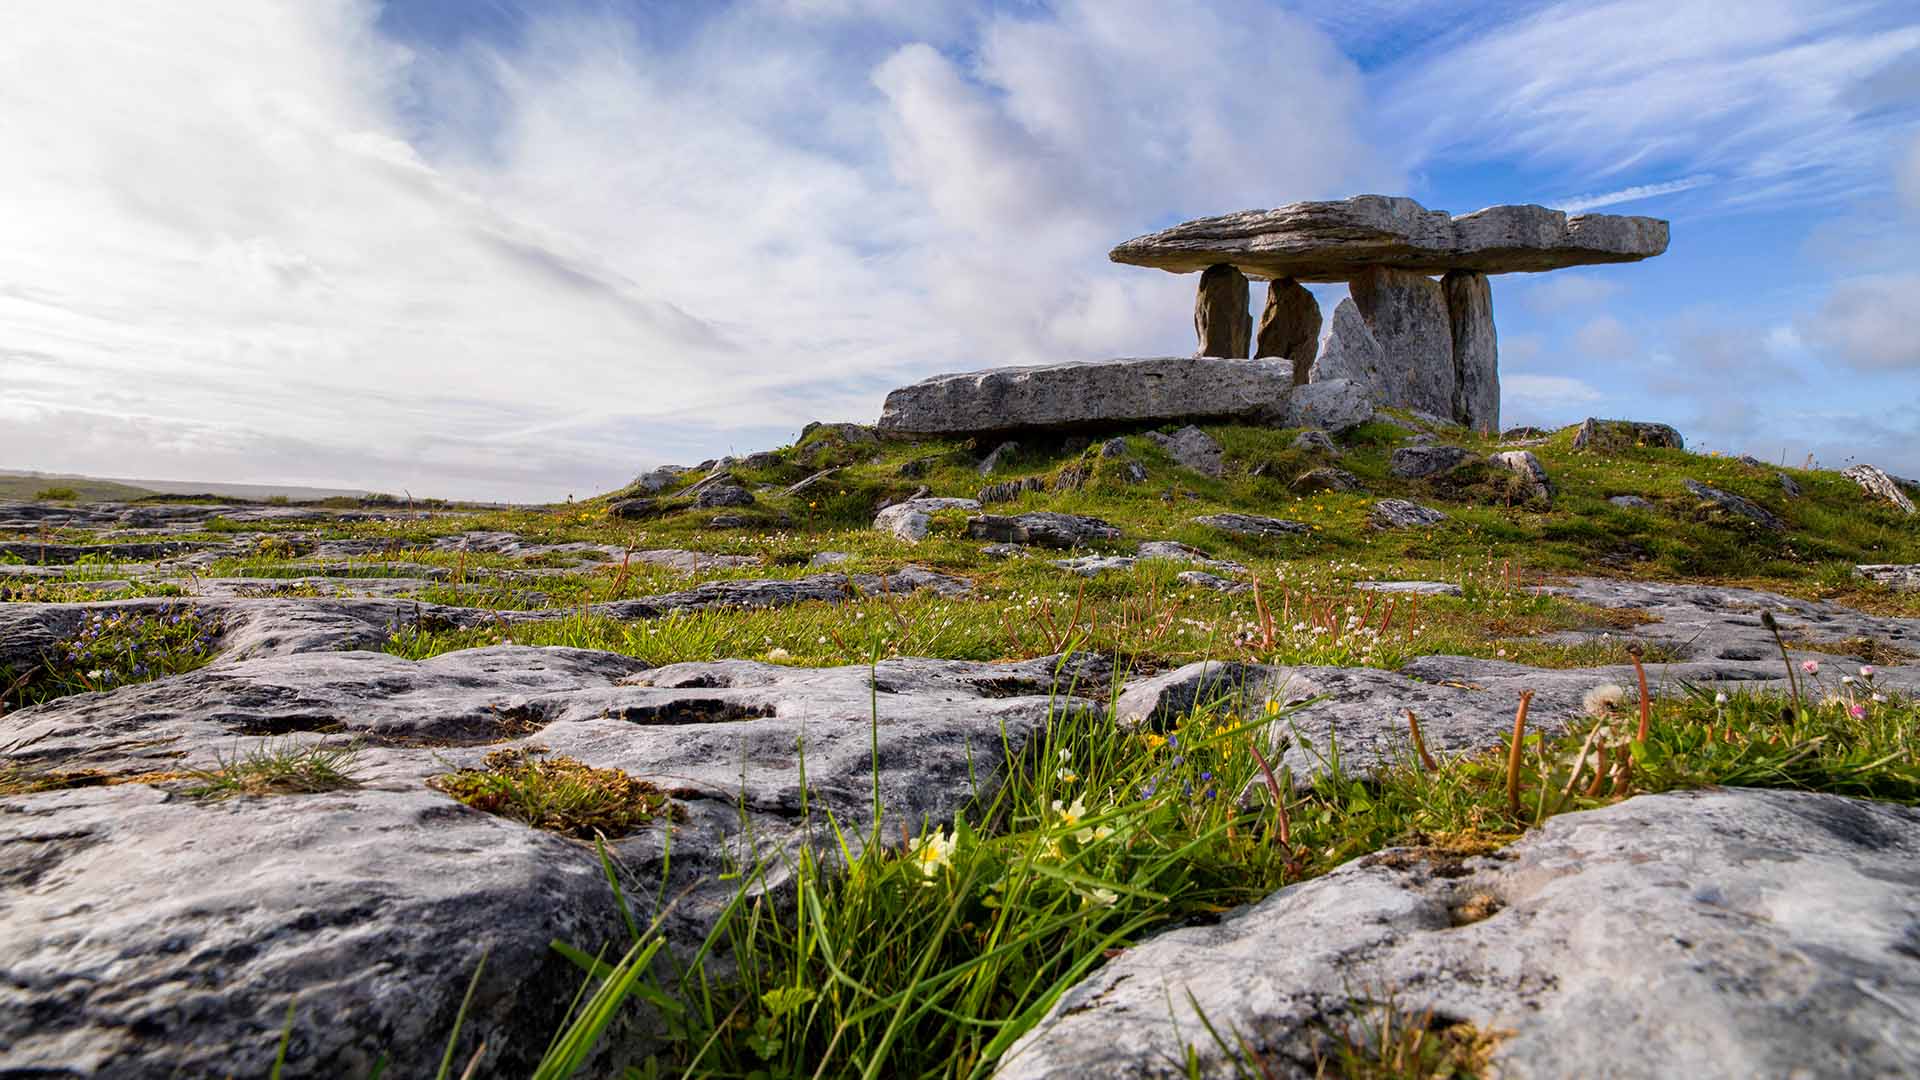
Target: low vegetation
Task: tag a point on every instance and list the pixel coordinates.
(559, 794)
(276, 768)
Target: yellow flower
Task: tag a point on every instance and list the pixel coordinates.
(934, 850)
(1154, 740)
(1070, 815)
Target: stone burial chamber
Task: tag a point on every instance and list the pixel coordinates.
(1414, 341)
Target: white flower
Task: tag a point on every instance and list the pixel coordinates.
(1070, 815)
(1603, 699)
(96, 673)
(1099, 896)
(1846, 680)
(1720, 698)
(778, 656)
(934, 850)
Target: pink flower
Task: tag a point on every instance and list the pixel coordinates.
(1811, 667)
(1866, 672)
(1857, 711)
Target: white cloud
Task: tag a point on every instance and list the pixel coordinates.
(1545, 398)
(1908, 176)
(1551, 294)
(1868, 323)
(270, 244)
(1764, 101)
(1520, 350)
(1606, 338)
(1580, 204)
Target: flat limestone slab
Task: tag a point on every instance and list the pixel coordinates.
(1088, 395)
(1332, 241)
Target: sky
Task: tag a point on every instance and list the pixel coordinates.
(519, 251)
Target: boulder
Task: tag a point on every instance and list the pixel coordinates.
(1175, 551)
(1043, 528)
(1722, 933)
(1220, 317)
(1737, 504)
(1401, 514)
(1114, 448)
(1901, 577)
(1315, 441)
(1406, 313)
(1875, 482)
(909, 520)
(1334, 241)
(660, 479)
(634, 509)
(1191, 448)
(1325, 478)
(1333, 405)
(723, 495)
(1603, 435)
(1529, 469)
(1106, 393)
(1290, 327)
(1252, 525)
(1476, 363)
(1422, 462)
(1000, 456)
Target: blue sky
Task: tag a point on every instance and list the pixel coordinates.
(493, 249)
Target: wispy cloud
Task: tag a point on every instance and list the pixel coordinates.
(1579, 204)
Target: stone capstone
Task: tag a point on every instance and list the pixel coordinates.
(1333, 241)
(1220, 317)
(1596, 434)
(1290, 327)
(1106, 393)
(1042, 528)
(1721, 933)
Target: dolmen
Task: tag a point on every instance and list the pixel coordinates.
(1415, 342)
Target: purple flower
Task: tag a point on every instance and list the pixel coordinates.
(1866, 671)
(1857, 711)
(1811, 667)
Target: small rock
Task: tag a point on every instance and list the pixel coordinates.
(1315, 441)
(1071, 477)
(1331, 404)
(1252, 525)
(1135, 473)
(910, 520)
(1516, 434)
(1000, 456)
(660, 479)
(849, 433)
(1631, 502)
(765, 459)
(1113, 448)
(919, 467)
(1203, 580)
(1004, 551)
(1901, 577)
(1417, 588)
(1401, 514)
(828, 558)
(1529, 469)
(1089, 565)
(1420, 462)
(634, 509)
(1044, 528)
(1009, 490)
(723, 495)
(1220, 316)
(1788, 486)
(811, 482)
(1178, 552)
(1325, 478)
(1192, 448)
(1737, 504)
(1877, 483)
(1603, 435)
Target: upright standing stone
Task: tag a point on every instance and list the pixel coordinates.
(1290, 326)
(1407, 314)
(1475, 353)
(1350, 352)
(1220, 316)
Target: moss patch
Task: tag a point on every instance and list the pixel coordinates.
(559, 794)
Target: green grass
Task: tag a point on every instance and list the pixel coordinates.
(276, 768)
(559, 794)
(111, 650)
(929, 958)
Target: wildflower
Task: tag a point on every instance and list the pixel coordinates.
(1811, 667)
(1720, 698)
(1879, 699)
(1603, 699)
(1154, 740)
(96, 673)
(1099, 896)
(1857, 711)
(934, 850)
(1846, 680)
(1866, 671)
(778, 656)
(1070, 815)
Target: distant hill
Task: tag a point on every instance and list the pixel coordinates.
(22, 484)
